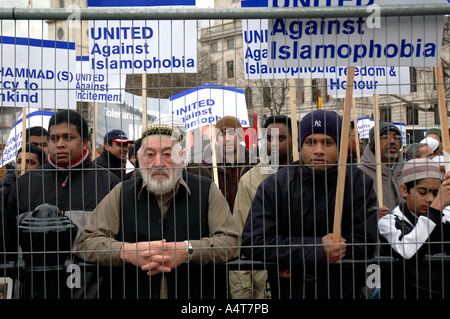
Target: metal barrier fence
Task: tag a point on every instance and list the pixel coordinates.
(219, 62)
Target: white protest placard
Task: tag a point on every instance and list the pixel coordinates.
(206, 104)
(92, 87)
(402, 128)
(127, 116)
(370, 80)
(34, 117)
(37, 73)
(394, 41)
(143, 46)
(365, 124)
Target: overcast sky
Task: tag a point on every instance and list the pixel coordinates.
(23, 28)
(38, 29)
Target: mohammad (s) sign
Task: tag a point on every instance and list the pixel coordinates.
(37, 73)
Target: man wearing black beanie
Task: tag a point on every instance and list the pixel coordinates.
(391, 164)
(291, 219)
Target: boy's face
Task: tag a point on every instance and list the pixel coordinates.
(119, 150)
(354, 144)
(65, 144)
(319, 151)
(420, 197)
(279, 139)
(31, 162)
(228, 141)
(39, 141)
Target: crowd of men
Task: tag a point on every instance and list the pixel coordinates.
(168, 228)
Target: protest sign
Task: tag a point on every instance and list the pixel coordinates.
(127, 116)
(143, 46)
(92, 87)
(366, 123)
(364, 126)
(394, 41)
(37, 73)
(34, 117)
(369, 81)
(285, 48)
(206, 104)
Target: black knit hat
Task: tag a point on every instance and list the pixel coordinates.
(384, 127)
(320, 121)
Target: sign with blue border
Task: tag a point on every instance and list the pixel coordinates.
(37, 73)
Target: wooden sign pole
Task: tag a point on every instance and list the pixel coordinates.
(442, 104)
(355, 120)
(376, 119)
(342, 164)
(293, 107)
(144, 101)
(94, 133)
(24, 140)
(212, 134)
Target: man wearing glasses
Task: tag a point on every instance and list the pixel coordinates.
(391, 164)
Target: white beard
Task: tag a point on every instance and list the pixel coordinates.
(161, 185)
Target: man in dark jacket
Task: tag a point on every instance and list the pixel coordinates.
(115, 152)
(290, 222)
(233, 158)
(68, 180)
(34, 157)
(391, 164)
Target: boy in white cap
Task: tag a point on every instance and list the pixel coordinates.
(418, 227)
(433, 144)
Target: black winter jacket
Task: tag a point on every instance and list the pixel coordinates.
(291, 212)
(76, 191)
(113, 164)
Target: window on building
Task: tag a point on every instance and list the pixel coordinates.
(230, 69)
(315, 88)
(248, 97)
(214, 47)
(412, 115)
(437, 119)
(413, 79)
(230, 44)
(267, 97)
(213, 70)
(60, 33)
(385, 114)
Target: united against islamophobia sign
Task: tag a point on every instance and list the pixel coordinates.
(143, 46)
(206, 104)
(289, 46)
(394, 41)
(37, 73)
(34, 117)
(369, 80)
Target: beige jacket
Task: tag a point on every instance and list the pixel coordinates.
(98, 242)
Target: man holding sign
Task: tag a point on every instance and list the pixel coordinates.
(391, 164)
(291, 218)
(233, 159)
(68, 180)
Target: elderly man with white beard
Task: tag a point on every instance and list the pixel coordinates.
(165, 231)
